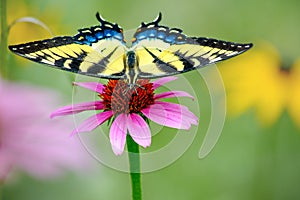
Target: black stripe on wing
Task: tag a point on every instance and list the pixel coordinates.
(38, 51)
(163, 66)
(219, 50)
(63, 53)
(180, 58)
(223, 45)
(35, 46)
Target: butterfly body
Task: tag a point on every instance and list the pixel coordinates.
(131, 68)
(154, 51)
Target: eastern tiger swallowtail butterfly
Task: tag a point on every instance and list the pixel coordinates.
(154, 51)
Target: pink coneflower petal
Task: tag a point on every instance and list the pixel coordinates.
(164, 117)
(159, 82)
(186, 113)
(139, 130)
(117, 134)
(167, 114)
(94, 86)
(93, 122)
(171, 94)
(77, 108)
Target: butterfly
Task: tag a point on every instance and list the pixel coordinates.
(154, 51)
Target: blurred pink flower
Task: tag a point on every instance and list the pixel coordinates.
(131, 108)
(29, 140)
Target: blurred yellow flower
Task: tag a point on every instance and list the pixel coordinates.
(26, 32)
(258, 80)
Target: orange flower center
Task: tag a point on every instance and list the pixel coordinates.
(119, 98)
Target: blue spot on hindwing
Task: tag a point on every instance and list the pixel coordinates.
(107, 33)
(141, 36)
(161, 35)
(106, 30)
(152, 33)
(90, 38)
(170, 38)
(99, 35)
(118, 36)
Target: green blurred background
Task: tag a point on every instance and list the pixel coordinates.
(250, 161)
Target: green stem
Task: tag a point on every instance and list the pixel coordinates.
(134, 164)
(3, 46)
(1, 191)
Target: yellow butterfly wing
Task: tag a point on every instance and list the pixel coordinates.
(164, 51)
(97, 51)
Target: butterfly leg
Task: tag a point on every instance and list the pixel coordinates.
(134, 87)
(131, 87)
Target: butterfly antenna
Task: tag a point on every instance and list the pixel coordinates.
(140, 86)
(137, 93)
(134, 87)
(130, 87)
